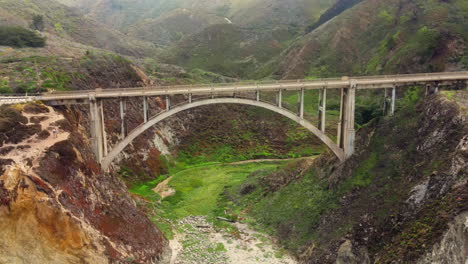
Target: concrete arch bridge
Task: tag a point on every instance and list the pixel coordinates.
(231, 93)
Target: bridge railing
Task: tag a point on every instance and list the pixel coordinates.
(401, 77)
(19, 95)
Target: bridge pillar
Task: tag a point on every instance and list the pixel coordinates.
(347, 133)
(190, 98)
(168, 103)
(257, 95)
(123, 107)
(280, 98)
(322, 109)
(103, 128)
(145, 109)
(301, 103)
(392, 106)
(389, 102)
(96, 128)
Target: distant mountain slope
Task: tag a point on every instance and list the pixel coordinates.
(377, 36)
(230, 50)
(251, 13)
(64, 25)
(271, 13)
(173, 26)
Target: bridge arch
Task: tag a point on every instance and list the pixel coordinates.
(117, 149)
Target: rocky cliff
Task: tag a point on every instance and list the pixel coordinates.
(409, 199)
(57, 206)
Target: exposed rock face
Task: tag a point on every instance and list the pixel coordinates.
(58, 207)
(347, 256)
(415, 210)
(453, 248)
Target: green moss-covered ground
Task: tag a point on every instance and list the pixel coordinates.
(198, 190)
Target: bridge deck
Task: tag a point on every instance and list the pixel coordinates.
(364, 82)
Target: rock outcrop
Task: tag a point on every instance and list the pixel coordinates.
(57, 206)
(409, 201)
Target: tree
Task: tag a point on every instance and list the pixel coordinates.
(20, 37)
(38, 22)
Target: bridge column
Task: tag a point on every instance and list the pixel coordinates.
(322, 109)
(123, 107)
(103, 128)
(96, 128)
(190, 98)
(279, 98)
(257, 95)
(168, 103)
(347, 120)
(392, 105)
(340, 122)
(145, 109)
(301, 103)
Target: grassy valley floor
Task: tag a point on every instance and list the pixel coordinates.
(187, 206)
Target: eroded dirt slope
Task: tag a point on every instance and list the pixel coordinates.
(56, 204)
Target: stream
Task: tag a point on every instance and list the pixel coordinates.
(197, 241)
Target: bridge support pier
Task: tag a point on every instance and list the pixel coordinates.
(257, 95)
(392, 105)
(301, 103)
(145, 109)
(103, 128)
(96, 128)
(190, 98)
(322, 109)
(279, 98)
(168, 103)
(123, 107)
(389, 102)
(347, 132)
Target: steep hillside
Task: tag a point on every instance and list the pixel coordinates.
(64, 26)
(269, 14)
(376, 36)
(173, 26)
(230, 50)
(56, 205)
(402, 198)
(248, 13)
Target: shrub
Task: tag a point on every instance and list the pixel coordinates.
(5, 90)
(20, 37)
(38, 23)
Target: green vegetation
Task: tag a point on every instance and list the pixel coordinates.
(217, 49)
(20, 37)
(36, 74)
(4, 88)
(294, 209)
(292, 206)
(197, 191)
(38, 23)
